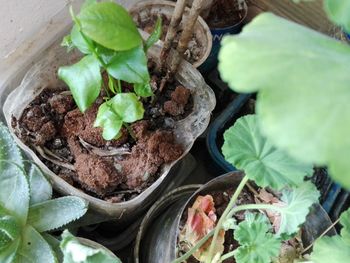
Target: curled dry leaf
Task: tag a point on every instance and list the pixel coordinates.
(200, 221)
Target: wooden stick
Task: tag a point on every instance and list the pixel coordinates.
(186, 35)
(172, 30)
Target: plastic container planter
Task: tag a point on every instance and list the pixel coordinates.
(162, 231)
(44, 74)
(218, 34)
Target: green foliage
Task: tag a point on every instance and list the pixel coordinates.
(302, 79)
(257, 243)
(298, 202)
(84, 79)
(338, 11)
(334, 249)
(122, 108)
(110, 25)
(247, 149)
(75, 252)
(107, 35)
(24, 210)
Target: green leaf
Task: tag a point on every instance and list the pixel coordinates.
(83, 44)
(338, 11)
(56, 213)
(128, 107)
(87, 3)
(247, 149)
(155, 36)
(108, 120)
(75, 252)
(334, 249)
(9, 226)
(258, 245)
(40, 188)
(14, 194)
(298, 203)
(130, 66)
(67, 42)
(84, 80)
(110, 25)
(143, 90)
(34, 248)
(8, 254)
(9, 150)
(54, 244)
(302, 78)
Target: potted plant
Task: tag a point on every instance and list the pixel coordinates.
(145, 14)
(86, 138)
(28, 213)
(214, 229)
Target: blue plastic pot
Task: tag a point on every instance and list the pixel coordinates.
(218, 35)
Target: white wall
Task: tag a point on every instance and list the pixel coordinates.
(22, 19)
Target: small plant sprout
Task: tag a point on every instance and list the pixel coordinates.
(248, 150)
(27, 211)
(107, 36)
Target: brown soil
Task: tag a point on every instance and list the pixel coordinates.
(53, 122)
(192, 54)
(224, 13)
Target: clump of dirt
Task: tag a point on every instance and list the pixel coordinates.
(225, 13)
(179, 99)
(194, 51)
(117, 170)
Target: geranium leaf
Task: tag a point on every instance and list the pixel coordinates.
(14, 194)
(334, 249)
(84, 80)
(298, 203)
(302, 109)
(40, 188)
(338, 11)
(55, 213)
(130, 66)
(34, 248)
(247, 149)
(155, 36)
(75, 252)
(257, 244)
(110, 25)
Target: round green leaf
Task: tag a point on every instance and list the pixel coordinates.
(247, 149)
(128, 107)
(338, 11)
(84, 80)
(302, 78)
(110, 25)
(143, 90)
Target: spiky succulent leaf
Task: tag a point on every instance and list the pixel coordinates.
(298, 203)
(8, 149)
(247, 149)
(55, 213)
(8, 254)
(54, 244)
(34, 248)
(14, 194)
(40, 187)
(9, 228)
(257, 244)
(75, 252)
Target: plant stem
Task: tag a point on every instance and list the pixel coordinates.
(227, 256)
(194, 248)
(322, 235)
(224, 217)
(119, 86)
(253, 207)
(131, 132)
